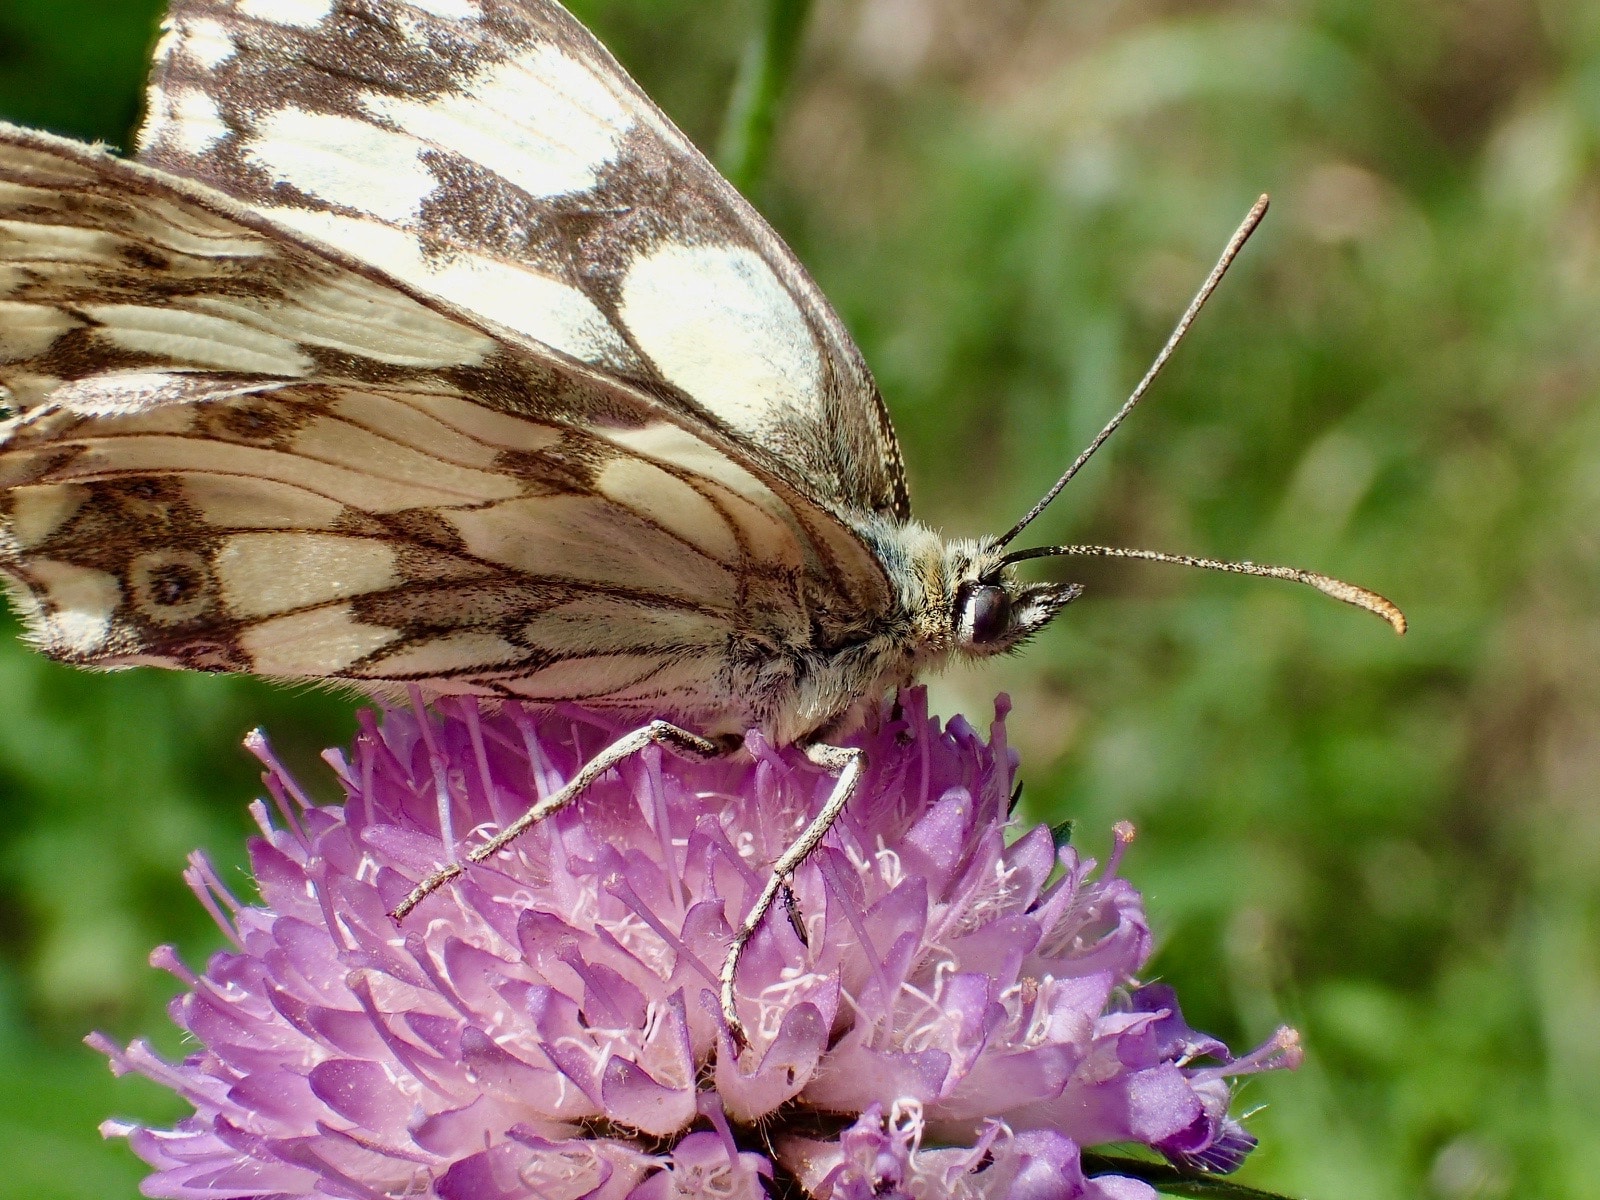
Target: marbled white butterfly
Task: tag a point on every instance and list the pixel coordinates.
(417, 348)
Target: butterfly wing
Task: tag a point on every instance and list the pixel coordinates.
(228, 459)
(494, 154)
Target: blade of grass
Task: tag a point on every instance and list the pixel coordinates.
(764, 76)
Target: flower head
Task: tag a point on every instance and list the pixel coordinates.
(959, 1017)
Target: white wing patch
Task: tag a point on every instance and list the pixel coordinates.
(205, 41)
(349, 316)
(314, 644)
(595, 677)
(37, 513)
(500, 118)
(451, 10)
(329, 157)
(546, 309)
(266, 573)
(674, 505)
(27, 331)
(202, 340)
(442, 655)
(570, 538)
(756, 515)
(190, 120)
(81, 603)
(762, 365)
(299, 14)
(238, 502)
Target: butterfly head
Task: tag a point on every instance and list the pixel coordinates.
(993, 612)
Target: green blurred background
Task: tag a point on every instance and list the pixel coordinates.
(1392, 844)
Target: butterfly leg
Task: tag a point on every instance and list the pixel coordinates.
(657, 733)
(848, 763)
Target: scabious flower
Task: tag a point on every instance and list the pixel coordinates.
(960, 1018)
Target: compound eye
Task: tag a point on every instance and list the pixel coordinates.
(985, 613)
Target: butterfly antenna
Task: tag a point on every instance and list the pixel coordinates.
(1235, 244)
(1337, 588)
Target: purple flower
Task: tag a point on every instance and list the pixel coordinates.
(962, 1016)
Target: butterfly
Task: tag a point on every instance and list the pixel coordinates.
(417, 349)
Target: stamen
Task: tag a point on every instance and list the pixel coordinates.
(213, 895)
(441, 783)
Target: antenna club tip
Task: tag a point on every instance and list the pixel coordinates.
(1386, 608)
(1378, 606)
(1382, 606)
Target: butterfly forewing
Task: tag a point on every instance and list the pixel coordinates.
(493, 154)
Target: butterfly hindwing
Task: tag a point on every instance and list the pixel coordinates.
(492, 153)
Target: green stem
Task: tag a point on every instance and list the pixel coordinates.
(1172, 1181)
(764, 75)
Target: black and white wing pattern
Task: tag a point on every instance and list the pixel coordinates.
(236, 452)
(493, 154)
